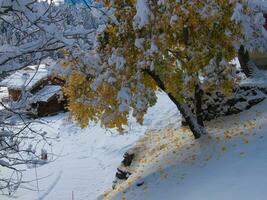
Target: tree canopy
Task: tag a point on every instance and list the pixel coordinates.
(167, 44)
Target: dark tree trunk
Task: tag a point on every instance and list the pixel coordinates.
(196, 129)
(243, 57)
(198, 104)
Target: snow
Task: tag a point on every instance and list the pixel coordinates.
(229, 163)
(258, 77)
(139, 42)
(249, 14)
(124, 96)
(4, 163)
(261, 83)
(211, 168)
(119, 61)
(27, 77)
(142, 14)
(174, 18)
(86, 159)
(46, 93)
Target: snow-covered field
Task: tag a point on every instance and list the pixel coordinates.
(230, 163)
(86, 159)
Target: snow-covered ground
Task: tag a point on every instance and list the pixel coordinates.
(86, 159)
(230, 163)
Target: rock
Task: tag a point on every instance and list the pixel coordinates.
(233, 110)
(127, 159)
(254, 92)
(232, 101)
(122, 175)
(140, 183)
(114, 183)
(242, 99)
(216, 104)
(253, 102)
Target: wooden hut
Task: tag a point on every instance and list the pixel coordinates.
(49, 100)
(42, 87)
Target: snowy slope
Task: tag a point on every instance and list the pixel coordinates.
(86, 160)
(230, 163)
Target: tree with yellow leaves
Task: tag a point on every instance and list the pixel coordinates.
(180, 47)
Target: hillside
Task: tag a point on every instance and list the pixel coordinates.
(229, 163)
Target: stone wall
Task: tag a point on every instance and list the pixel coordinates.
(217, 105)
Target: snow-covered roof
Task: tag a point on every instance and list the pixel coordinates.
(28, 77)
(46, 93)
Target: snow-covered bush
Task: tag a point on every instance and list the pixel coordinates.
(30, 31)
(33, 30)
